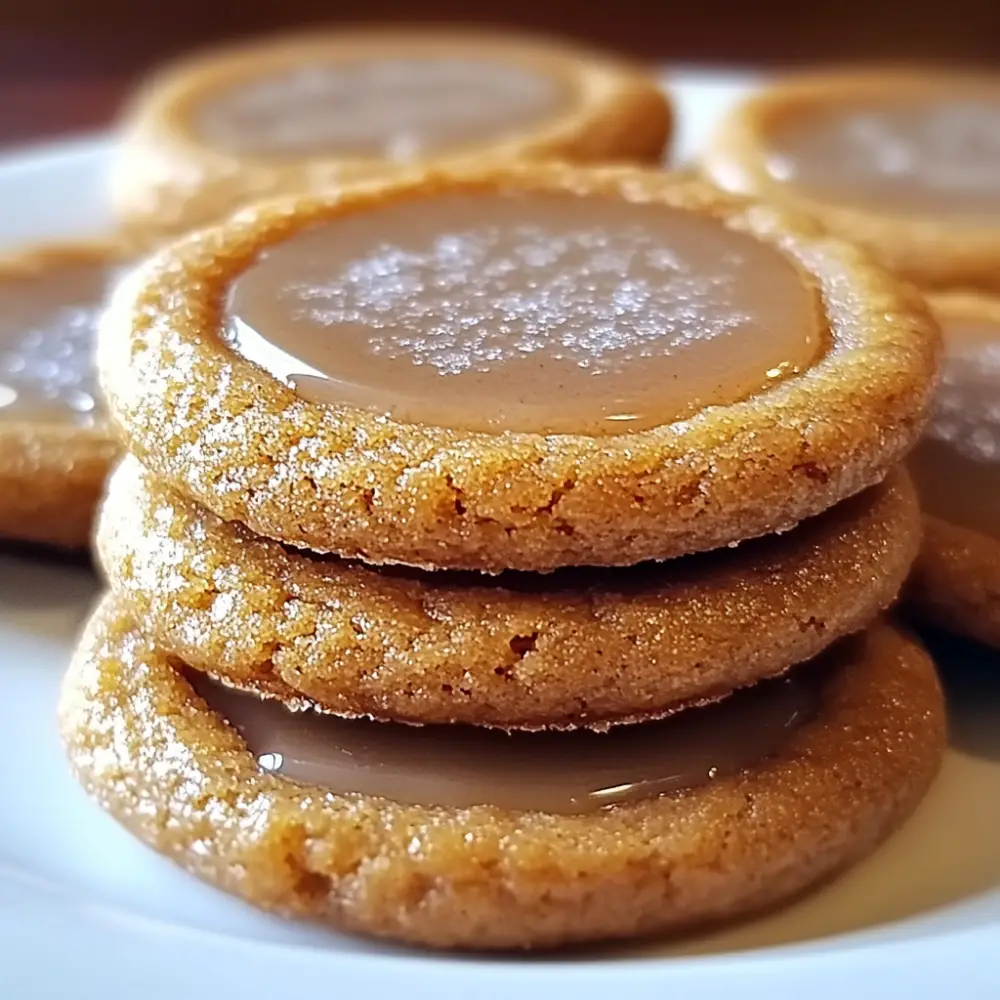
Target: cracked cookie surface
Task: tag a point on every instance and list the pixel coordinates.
(152, 753)
(343, 479)
(575, 648)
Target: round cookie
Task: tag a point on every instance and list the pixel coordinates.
(956, 580)
(576, 648)
(752, 371)
(56, 445)
(904, 163)
(485, 877)
(305, 113)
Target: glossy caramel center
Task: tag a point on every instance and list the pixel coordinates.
(526, 312)
(387, 108)
(555, 772)
(956, 466)
(926, 154)
(47, 325)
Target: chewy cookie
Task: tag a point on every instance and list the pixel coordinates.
(505, 390)
(904, 163)
(56, 445)
(575, 648)
(834, 765)
(956, 581)
(309, 112)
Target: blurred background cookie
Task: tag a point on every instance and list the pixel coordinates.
(905, 163)
(956, 582)
(55, 443)
(313, 111)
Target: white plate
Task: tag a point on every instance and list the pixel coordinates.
(87, 911)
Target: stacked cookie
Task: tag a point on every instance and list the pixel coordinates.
(908, 163)
(491, 560)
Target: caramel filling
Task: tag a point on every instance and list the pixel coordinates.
(935, 155)
(47, 326)
(956, 466)
(527, 312)
(396, 109)
(555, 772)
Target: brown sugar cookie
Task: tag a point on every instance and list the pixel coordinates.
(575, 648)
(524, 367)
(905, 163)
(835, 764)
(956, 581)
(305, 113)
(55, 443)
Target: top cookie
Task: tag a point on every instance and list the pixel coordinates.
(534, 366)
(305, 112)
(907, 164)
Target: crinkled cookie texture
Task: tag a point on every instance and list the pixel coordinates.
(52, 464)
(336, 478)
(575, 648)
(149, 750)
(928, 249)
(167, 178)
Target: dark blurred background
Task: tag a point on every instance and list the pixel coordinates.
(65, 64)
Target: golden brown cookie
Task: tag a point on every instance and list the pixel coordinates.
(56, 445)
(906, 163)
(549, 366)
(956, 580)
(308, 112)
(147, 747)
(576, 648)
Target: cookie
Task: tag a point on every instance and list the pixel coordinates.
(56, 445)
(838, 762)
(561, 366)
(309, 112)
(956, 581)
(576, 648)
(905, 163)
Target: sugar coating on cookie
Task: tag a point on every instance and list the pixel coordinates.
(526, 312)
(482, 876)
(576, 648)
(428, 414)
